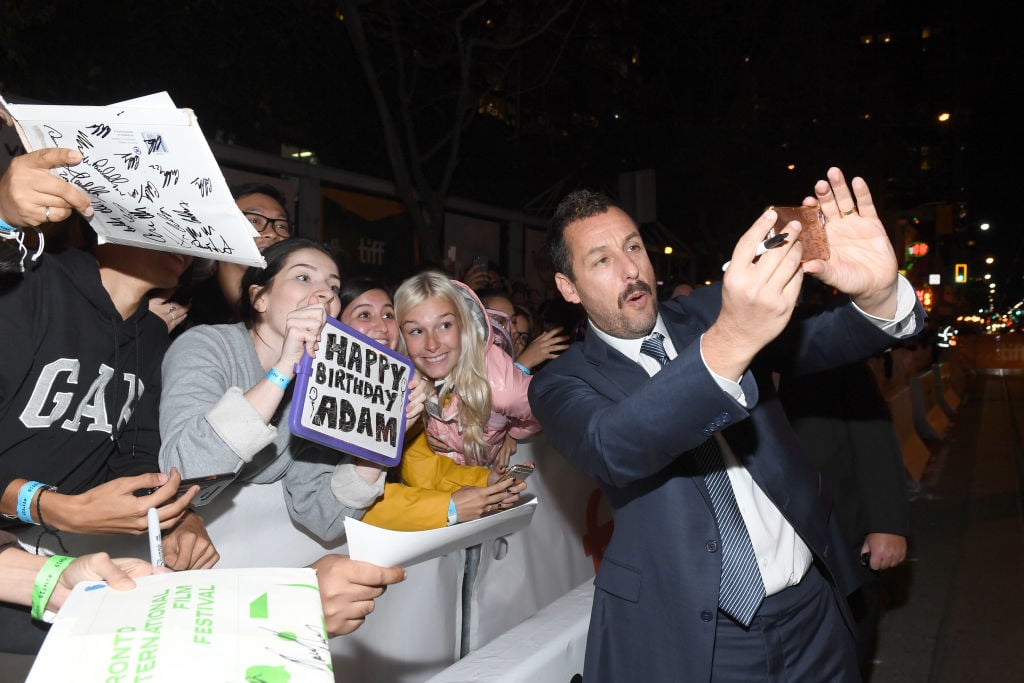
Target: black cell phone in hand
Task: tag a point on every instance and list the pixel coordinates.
(209, 486)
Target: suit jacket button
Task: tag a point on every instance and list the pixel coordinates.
(706, 616)
(712, 546)
(724, 418)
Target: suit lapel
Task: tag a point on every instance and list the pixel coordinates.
(614, 368)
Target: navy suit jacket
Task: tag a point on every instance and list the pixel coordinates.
(656, 597)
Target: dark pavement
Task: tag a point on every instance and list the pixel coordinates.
(955, 611)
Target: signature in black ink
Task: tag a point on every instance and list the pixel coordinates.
(185, 213)
(170, 177)
(83, 142)
(206, 239)
(100, 130)
(154, 143)
(131, 160)
(205, 186)
(55, 135)
(109, 172)
(81, 179)
(146, 192)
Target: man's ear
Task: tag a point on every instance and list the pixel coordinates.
(566, 288)
(256, 296)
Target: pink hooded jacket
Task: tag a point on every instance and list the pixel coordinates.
(510, 409)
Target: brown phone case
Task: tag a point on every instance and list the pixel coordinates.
(813, 235)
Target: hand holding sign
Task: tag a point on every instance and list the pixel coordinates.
(419, 389)
(302, 332)
(352, 394)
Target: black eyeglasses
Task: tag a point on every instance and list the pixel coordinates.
(279, 225)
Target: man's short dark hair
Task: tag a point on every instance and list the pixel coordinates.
(576, 206)
(239, 191)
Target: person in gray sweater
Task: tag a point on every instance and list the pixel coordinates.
(225, 400)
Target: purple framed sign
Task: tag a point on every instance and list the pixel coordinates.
(351, 396)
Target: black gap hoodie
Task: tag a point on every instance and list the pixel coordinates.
(79, 386)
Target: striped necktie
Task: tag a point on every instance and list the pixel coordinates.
(742, 588)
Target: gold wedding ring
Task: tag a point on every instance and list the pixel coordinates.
(853, 210)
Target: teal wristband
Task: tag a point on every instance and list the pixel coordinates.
(526, 371)
(46, 581)
(453, 514)
(278, 378)
(25, 495)
(7, 227)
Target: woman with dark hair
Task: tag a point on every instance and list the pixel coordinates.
(226, 397)
(215, 299)
(432, 490)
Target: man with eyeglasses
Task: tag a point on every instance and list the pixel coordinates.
(215, 299)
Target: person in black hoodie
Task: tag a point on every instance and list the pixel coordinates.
(79, 394)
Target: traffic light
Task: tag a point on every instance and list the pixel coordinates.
(961, 273)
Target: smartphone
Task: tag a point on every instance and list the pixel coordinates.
(812, 236)
(209, 486)
(519, 472)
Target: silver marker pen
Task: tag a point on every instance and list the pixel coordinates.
(763, 246)
(156, 541)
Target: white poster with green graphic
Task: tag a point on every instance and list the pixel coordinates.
(254, 625)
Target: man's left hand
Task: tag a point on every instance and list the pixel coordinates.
(862, 262)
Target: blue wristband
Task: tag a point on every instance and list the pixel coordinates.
(279, 379)
(453, 515)
(7, 227)
(25, 495)
(522, 367)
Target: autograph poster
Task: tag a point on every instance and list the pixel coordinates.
(148, 172)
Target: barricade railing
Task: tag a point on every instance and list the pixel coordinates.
(929, 418)
(415, 630)
(945, 395)
(915, 453)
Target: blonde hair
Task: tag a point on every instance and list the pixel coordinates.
(468, 379)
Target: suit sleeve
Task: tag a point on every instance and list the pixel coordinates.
(619, 425)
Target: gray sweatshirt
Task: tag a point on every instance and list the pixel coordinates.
(209, 427)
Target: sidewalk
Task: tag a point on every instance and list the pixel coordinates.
(955, 611)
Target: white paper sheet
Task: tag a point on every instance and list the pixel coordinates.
(149, 173)
(208, 625)
(405, 548)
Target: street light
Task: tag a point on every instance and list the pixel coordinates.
(984, 226)
(990, 260)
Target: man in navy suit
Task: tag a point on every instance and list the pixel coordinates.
(636, 423)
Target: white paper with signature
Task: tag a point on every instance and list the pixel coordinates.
(149, 173)
(388, 548)
(206, 625)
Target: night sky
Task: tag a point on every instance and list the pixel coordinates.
(718, 98)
